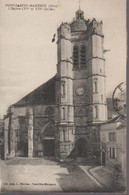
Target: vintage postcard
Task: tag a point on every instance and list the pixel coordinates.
(63, 96)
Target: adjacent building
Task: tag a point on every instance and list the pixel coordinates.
(113, 144)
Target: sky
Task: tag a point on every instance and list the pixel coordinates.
(28, 58)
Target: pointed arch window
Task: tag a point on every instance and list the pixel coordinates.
(64, 138)
(83, 55)
(95, 86)
(96, 112)
(63, 88)
(63, 113)
(95, 83)
(75, 55)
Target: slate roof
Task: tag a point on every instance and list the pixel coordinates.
(116, 119)
(43, 95)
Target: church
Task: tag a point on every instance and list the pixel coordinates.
(62, 117)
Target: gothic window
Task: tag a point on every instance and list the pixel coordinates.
(63, 113)
(75, 56)
(96, 112)
(95, 86)
(64, 138)
(69, 109)
(83, 55)
(68, 135)
(63, 88)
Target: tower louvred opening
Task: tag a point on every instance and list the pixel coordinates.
(83, 55)
(75, 55)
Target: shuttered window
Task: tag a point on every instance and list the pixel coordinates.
(83, 55)
(75, 56)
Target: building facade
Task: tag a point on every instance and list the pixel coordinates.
(62, 117)
(113, 144)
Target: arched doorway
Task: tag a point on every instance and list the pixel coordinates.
(81, 148)
(48, 140)
(22, 144)
(49, 147)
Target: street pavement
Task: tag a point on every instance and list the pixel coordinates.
(77, 180)
(67, 177)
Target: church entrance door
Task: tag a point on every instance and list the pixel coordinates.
(49, 147)
(25, 149)
(81, 147)
(22, 149)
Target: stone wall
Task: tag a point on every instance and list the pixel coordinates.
(119, 144)
(25, 127)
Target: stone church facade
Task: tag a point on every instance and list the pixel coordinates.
(61, 118)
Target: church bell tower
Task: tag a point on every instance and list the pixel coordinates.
(81, 83)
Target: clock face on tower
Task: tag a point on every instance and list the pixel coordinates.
(80, 91)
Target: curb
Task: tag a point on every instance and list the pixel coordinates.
(96, 178)
(92, 176)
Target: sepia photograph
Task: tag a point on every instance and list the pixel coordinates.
(63, 96)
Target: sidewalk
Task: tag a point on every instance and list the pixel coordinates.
(103, 175)
(106, 178)
(86, 170)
